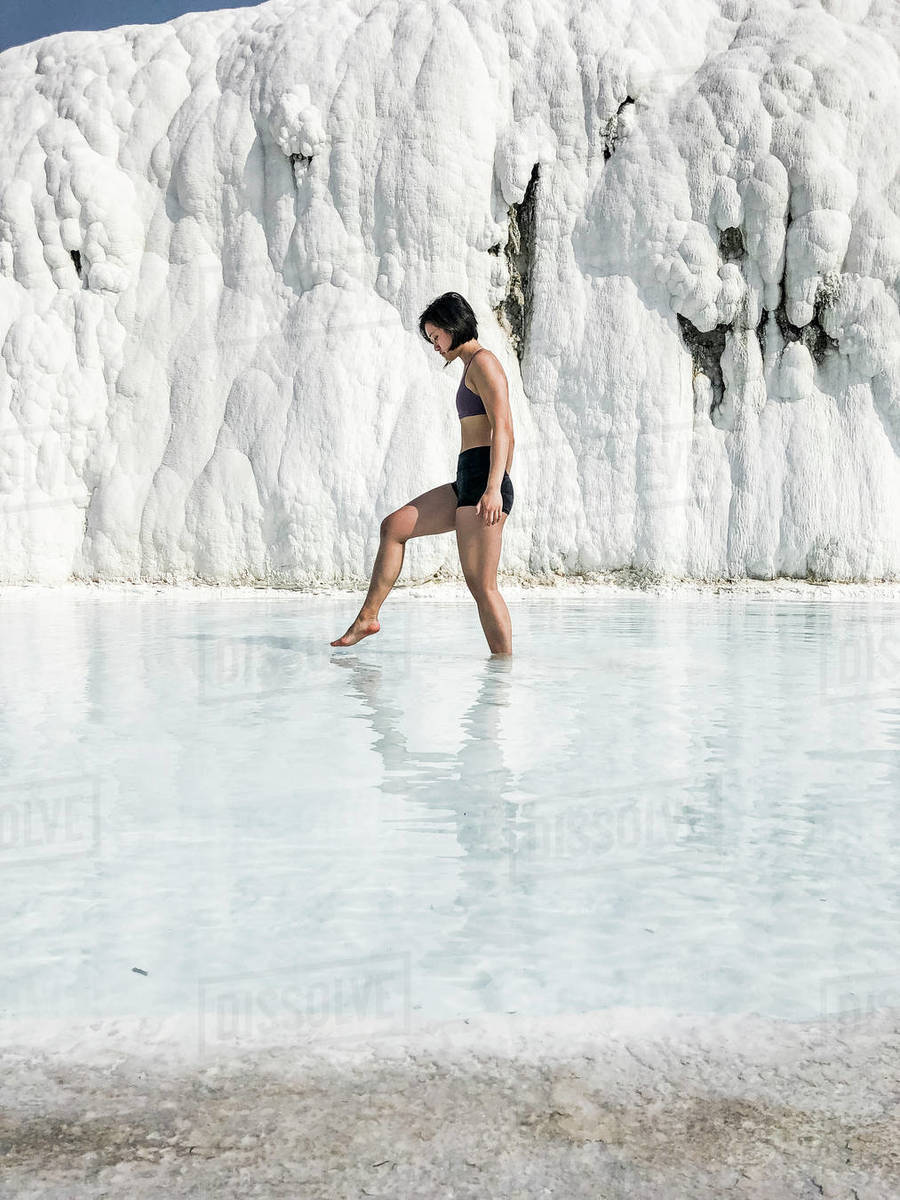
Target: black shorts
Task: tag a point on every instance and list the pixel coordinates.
(472, 469)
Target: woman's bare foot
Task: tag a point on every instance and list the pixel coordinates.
(361, 627)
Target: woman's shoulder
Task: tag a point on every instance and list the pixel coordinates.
(487, 367)
(486, 358)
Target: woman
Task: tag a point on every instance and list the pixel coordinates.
(477, 504)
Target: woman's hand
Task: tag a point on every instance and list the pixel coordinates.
(490, 506)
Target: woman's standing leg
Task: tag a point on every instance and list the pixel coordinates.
(479, 553)
(432, 512)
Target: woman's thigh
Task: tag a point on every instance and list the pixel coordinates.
(432, 512)
(479, 549)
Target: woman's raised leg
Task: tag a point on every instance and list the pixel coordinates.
(431, 513)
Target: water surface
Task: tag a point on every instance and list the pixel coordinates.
(683, 801)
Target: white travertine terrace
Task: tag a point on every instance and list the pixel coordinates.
(217, 233)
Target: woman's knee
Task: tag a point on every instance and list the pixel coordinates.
(481, 589)
(394, 526)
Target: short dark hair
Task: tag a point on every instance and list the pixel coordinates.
(454, 313)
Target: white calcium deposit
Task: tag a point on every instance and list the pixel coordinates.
(677, 223)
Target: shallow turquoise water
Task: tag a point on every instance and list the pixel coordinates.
(689, 802)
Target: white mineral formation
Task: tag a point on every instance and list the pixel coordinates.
(677, 221)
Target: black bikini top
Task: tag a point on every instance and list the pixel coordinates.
(467, 403)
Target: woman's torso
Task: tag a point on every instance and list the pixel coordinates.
(477, 430)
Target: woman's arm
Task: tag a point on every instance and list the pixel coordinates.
(490, 378)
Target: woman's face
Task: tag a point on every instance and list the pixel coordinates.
(440, 339)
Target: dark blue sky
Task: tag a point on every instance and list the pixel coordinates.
(24, 20)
